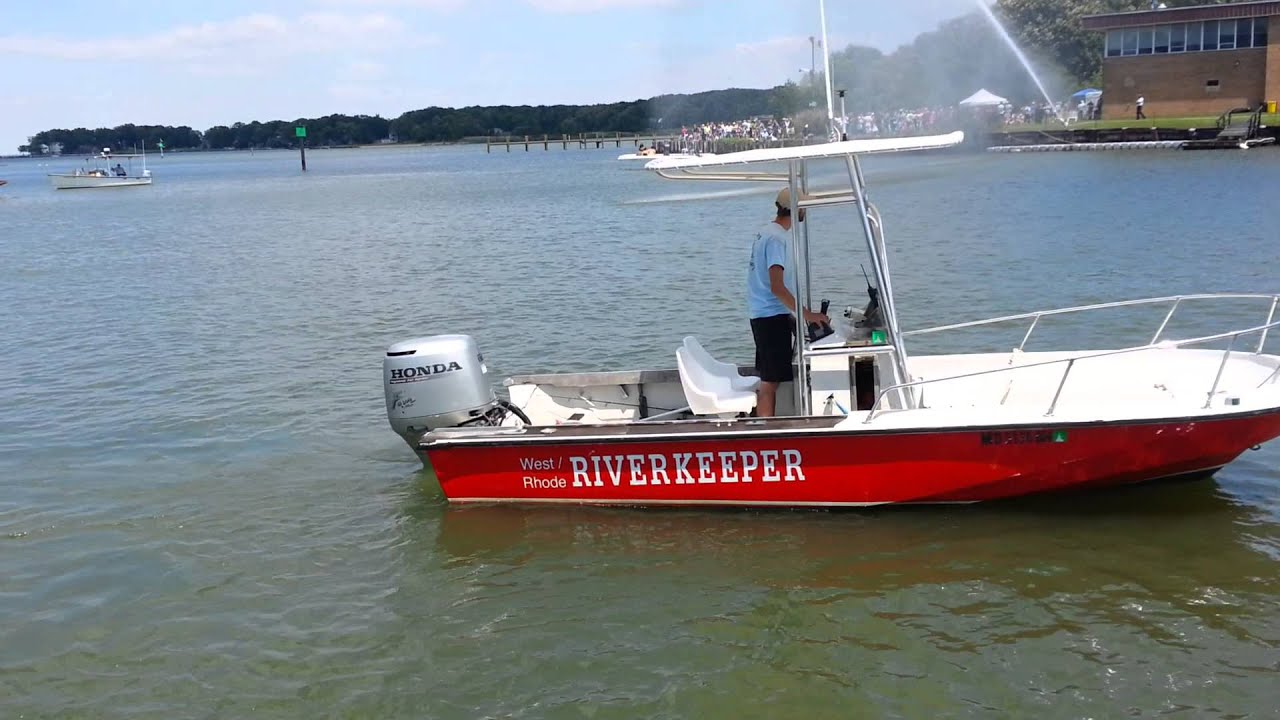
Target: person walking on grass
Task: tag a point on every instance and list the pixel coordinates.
(1141, 101)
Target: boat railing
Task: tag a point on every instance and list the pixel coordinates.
(1070, 363)
(1176, 302)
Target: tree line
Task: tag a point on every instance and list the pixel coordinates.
(433, 124)
(937, 69)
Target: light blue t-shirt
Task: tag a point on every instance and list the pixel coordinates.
(769, 249)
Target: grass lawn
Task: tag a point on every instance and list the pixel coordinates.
(1182, 123)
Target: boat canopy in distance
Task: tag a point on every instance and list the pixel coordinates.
(811, 152)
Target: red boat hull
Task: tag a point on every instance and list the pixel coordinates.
(830, 469)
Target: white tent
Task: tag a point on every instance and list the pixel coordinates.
(983, 98)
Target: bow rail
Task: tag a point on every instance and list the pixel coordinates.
(1176, 300)
(1232, 336)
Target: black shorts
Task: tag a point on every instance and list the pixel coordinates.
(774, 347)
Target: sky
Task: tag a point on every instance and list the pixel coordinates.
(101, 63)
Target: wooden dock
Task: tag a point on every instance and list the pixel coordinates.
(1091, 147)
(1012, 137)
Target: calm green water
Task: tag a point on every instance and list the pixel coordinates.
(203, 513)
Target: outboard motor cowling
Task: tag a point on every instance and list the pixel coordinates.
(436, 382)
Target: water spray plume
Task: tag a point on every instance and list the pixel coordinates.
(826, 69)
(1022, 58)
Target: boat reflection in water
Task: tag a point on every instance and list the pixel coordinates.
(1179, 537)
(1097, 596)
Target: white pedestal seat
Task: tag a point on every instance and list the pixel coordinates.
(709, 388)
(724, 369)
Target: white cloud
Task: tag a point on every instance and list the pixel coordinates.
(591, 6)
(794, 46)
(363, 70)
(364, 86)
(758, 63)
(354, 93)
(773, 46)
(257, 36)
(439, 5)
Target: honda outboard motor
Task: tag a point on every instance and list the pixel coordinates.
(438, 382)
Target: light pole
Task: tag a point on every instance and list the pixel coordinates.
(813, 60)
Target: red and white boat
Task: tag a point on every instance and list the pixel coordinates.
(866, 423)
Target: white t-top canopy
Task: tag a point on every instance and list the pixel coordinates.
(811, 152)
(983, 98)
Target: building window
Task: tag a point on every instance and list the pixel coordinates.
(1244, 33)
(1146, 41)
(1162, 40)
(1194, 31)
(1227, 35)
(1114, 39)
(1188, 37)
(1130, 42)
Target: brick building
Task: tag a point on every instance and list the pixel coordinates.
(1191, 61)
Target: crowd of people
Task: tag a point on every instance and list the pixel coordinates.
(771, 129)
(903, 122)
(1039, 113)
(894, 123)
(764, 129)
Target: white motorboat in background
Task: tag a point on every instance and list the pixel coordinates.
(98, 172)
(644, 155)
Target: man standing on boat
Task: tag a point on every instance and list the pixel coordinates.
(771, 305)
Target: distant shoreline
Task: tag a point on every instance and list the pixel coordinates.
(201, 151)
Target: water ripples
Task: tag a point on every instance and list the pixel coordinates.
(204, 513)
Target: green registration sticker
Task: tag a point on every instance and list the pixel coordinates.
(1059, 436)
(878, 337)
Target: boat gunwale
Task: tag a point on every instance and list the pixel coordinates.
(617, 432)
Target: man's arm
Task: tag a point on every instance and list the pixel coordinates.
(779, 288)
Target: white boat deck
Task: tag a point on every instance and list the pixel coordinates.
(959, 391)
